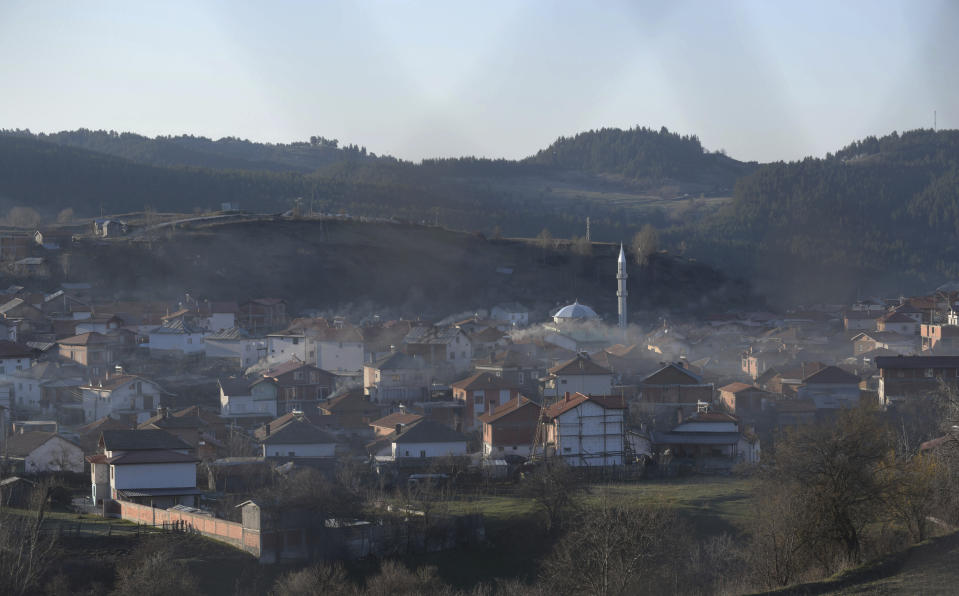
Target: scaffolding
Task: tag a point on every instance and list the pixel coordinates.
(615, 445)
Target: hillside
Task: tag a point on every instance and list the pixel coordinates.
(391, 269)
(228, 153)
(882, 215)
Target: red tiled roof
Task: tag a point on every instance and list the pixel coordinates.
(482, 380)
(736, 387)
(580, 365)
(404, 418)
(85, 339)
(608, 402)
(154, 456)
(509, 407)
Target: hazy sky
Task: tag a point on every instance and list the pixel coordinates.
(764, 80)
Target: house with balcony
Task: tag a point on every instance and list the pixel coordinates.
(150, 467)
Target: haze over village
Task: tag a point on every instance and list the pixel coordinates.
(449, 304)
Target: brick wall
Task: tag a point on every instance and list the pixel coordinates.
(232, 533)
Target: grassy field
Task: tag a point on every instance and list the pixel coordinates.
(517, 541)
(721, 501)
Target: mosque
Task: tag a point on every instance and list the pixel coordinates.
(577, 327)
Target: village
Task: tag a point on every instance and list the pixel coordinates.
(179, 414)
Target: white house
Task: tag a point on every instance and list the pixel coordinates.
(585, 430)
(447, 349)
(120, 394)
(43, 452)
(398, 377)
(710, 440)
(236, 345)
(144, 466)
(513, 313)
(15, 357)
(246, 397)
(339, 350)
(427, 439)
(176, 337)
(579, 375)
(299, 438)
(44, 387)
(288, 344)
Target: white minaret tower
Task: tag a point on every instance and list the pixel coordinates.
(621, 292)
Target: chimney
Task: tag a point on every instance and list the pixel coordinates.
(566, 397)
(399, 428)
(267, 429)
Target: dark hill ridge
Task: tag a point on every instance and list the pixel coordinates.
(392, 269)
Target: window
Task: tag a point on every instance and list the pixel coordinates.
(514, 447)
(562, 381)
(928, 372)
(3, 370)
(422, 453)
(407, 453)
(19, 367)
(298, 375)
(452, 355)
(296, 342)
(291, 453)
(567, 449)
(520, 378)
(189, 340)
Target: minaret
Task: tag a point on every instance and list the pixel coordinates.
(621, 292)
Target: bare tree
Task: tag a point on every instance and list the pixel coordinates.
(545, 240)
(316, 579)
(65, 216)
(580, 246)
(912, 490)
(645, 244)
(552, 488)
(776, 552)
(23, 217)
(613, 550)
(155, 573)
(26, 551)
(838, 473)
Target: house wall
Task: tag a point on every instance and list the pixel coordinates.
(246, 352)
(173, 475)
(9, 366)
(98, 403)
(339, 357)
(100, 482)
(301, 450)
(830, 396)
(394, 385)
(589, 435)
(187, 343)
(903, 328)
(56, 455)
(233, 533)
(413, 450)
(219, 321)
(282, 348)
(585, 384)
(519, 319)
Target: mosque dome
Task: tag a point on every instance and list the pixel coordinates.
(574, 312)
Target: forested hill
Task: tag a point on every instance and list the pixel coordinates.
(642, 153)
(49, 177)
(228, 153)
(880, 212)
